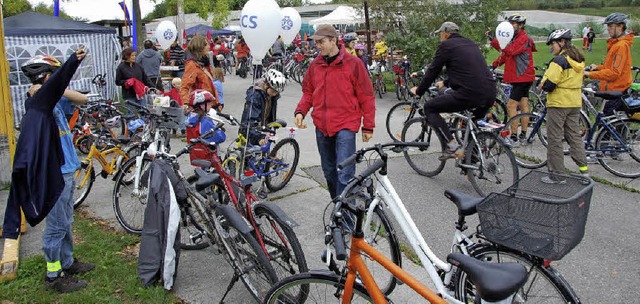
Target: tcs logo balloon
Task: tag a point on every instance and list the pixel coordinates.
(248, 21)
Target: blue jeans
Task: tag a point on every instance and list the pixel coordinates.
(333, 150)
(57, 239)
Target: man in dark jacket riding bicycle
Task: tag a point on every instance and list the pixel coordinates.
(472, 84)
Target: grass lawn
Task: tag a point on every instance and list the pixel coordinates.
(114, 280)
(603, 12)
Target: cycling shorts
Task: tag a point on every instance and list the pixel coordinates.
(520, 90)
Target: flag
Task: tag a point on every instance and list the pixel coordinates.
(127, 18)
(209, 38)
(184, 39)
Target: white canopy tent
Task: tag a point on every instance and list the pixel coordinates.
(344, 15)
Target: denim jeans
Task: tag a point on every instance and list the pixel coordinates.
(57, 239)
(333, 150)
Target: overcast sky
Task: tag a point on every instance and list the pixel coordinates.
(102, 9)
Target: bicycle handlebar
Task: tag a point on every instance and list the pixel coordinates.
(379, 148)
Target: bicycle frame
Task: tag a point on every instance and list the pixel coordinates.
(109, 167)
(258, 168)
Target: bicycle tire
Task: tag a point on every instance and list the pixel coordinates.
(130, 212)
(249, 256)
(398, 93)
(616, 162)
(498, 176)
(192, 234)
(556, 288)
(323, 287)
(397, 116)
(285, 252)
(423, 160)
(83, 143)
(498, 112)
(279, 179)
(88, 176)
(378, 87)
(528, 154)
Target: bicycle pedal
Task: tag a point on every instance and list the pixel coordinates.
(104, 174)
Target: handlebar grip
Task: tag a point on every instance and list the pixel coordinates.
(338, 243)
(373, 168)
(348, 161)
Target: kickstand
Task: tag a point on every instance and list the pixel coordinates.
(233, 282)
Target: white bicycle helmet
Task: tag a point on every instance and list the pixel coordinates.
(39, 66)
(559, 34)
(275, 79)
(220, 57)
(113, 122)
(518, 18)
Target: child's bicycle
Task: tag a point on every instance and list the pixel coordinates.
(273, 166)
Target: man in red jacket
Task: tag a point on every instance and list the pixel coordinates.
(338, 88)
(519, 71)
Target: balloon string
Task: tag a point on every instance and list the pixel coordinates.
(253, 90)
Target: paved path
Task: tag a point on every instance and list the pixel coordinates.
(604, 268)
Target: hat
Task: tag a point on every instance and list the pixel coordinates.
(448, 27)
(324, 30)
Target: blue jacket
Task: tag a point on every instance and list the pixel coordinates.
(36, 179)
(259, 110)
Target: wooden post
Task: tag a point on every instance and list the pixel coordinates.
(368, 26)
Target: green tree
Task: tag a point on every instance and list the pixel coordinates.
(10, 8)
(48, 10)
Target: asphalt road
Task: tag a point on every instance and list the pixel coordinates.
(604, 268)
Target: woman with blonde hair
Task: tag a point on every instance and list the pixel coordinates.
(197, 71)
(218, 79)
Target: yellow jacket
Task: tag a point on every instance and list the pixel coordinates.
(381, 48)
(563, 82)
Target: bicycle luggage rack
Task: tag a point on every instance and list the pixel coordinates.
(544, 220)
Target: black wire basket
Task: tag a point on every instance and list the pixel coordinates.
(544, 220)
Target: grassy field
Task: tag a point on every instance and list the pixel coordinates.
(114, 280)
(604, 11)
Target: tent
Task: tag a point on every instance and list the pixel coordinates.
(202, 30)
(341, 15)
(29, 34)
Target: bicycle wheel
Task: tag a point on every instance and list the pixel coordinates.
(129, 205)
(528, 153)
(425, 161)
(498, 112)
(282, 245)
(192, 234)
(398, 91)
(493, 167)
(621, 159)
(83, 180)
(283, 160)
(544, 284)
(377, 87)
(323, 287)
(249, 259)
(398, 115)
(83, 143)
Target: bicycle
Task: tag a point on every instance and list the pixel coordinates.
(274, 167)
(243, 67)
(226, 230)
(450, 280)
(378, 82)
(615, 136)
(486, 156)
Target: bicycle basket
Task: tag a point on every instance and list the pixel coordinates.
(543, 220)
(177, 121)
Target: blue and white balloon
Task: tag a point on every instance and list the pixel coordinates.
(291, 24)
(260, 23)
(166, 33)
(504, 33)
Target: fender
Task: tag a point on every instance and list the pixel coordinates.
(277, 211)
(230, 214)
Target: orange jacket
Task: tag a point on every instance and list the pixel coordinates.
(615, 73)
(195, 78)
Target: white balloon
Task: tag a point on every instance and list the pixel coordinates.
(260, 25)
(166, 33)
(504, 33)
(291, 24)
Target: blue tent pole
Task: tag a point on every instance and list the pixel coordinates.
(133, 28)
(56, 8)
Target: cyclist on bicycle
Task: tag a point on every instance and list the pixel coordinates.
(469, 78)
(518, 71)
(615, 73)
(199, 123)
(261, 105)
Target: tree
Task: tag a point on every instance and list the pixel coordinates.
(10, 8)
(48, 10)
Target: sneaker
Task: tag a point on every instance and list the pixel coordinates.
(591, 159)
(586, 177)
(64, 283)
(522, 137)
(454, 150)
(552, 179)
(79, 267)
(511, 141)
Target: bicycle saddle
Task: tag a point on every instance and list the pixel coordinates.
(279, 123)
(493, 281)
(466, 203)
(206, 179)
(202, 163)
(608, 94)
(122, 140)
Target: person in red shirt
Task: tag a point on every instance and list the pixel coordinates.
(218, 48)
(519, 71)
(174, 93)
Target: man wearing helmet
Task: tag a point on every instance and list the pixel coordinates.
(615, 73)
(519, 71)
(199, 123)
(43, 169)
(338, 88)
(261, 105)
(563, 82)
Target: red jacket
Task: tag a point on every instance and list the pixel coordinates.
(138, 87)
(517, 58)
(340, 93)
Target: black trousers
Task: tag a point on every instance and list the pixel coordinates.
(451, 103)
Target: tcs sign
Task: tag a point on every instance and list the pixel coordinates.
(249, 21)
(503, 34)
